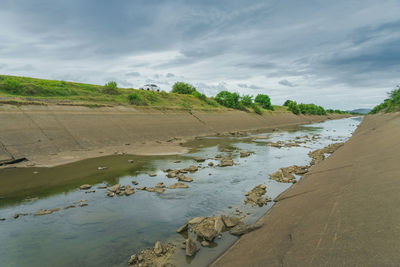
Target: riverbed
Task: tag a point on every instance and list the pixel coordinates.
(108, 230)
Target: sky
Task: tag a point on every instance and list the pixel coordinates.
(339, 54)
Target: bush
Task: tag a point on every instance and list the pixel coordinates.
(256, 108)
(287, 103)
(264, 101)
(136, 99)
(111, 88)
(12, 86)
(307, 109)
(183, 88)
(247, 100)
(390, 104)
(228, 99)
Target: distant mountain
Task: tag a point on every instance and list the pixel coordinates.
(360, 110)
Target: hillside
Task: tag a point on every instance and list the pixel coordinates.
(390, 104)
(360, 111)
(24, 90)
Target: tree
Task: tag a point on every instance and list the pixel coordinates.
(228, 99)
(246, 100)
(183, 88)
(264, 101)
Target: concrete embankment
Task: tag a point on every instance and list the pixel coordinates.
(344, 212)
(54, 134)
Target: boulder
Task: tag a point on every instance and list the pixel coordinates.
(114, 188)
(184, 178)
(196, 220)
(206, 233)
(205, 243)
(152, 174)
(42, 212)
(191, 247)
(172, 174)
(199, 159)
(219, 225)
(192, 168)
(283, 175)
(85, 187)
(230, 221)
(226, 162)
(244, 154)
(183, 228)
(210, 164)
(255, 196)
(158, 248)
(178, 185)
(241, 228)
(160, 185)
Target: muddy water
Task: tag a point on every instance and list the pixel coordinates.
(109, 230)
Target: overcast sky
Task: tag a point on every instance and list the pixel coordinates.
(338, 54)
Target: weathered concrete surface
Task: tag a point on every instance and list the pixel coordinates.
(345, 212)
(55, 134)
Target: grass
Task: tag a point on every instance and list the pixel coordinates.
(23, 90)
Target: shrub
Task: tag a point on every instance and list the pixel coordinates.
(264, 101)
(287, 103)
(136, 99)
(390, 104)
(247, 100)
(228, 99)
(256, 108)
(307, 109)
(12, 86)
(111, 88)
(183, 88)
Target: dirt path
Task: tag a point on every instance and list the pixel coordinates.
(345, 212)
(54, 135)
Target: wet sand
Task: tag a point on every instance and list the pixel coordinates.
(55, 135)
(344, 212)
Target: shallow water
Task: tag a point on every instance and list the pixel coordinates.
(109, 230)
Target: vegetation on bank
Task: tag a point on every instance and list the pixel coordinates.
(183, 96)
(310, 109)
(390, 104)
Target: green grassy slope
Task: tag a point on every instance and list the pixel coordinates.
(23, 90)
(390, 104)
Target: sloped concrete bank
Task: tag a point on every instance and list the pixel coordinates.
(53, 135)
(344, 212)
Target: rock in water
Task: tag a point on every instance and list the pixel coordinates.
(85, 187)
(219, 225)
(244, 154)
(230, 221)
(196, 220)
(114, 188)
(199, 159)
(158, 248)
(182, 228)
(191, 247)
(242, 228)
(226, 162)
(184, 178)
(178, 185)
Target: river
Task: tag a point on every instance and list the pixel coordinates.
(108, 230)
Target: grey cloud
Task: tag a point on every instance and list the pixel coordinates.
(286, 83)
(132, 74)
(349, 49)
